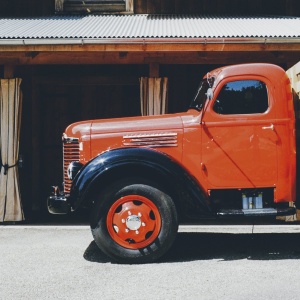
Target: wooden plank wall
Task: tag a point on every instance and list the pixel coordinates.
(294, 75)
(54, 97)
(28, 8)
(279, 7)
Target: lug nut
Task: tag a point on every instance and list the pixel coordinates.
(136, 232)
(139, 214)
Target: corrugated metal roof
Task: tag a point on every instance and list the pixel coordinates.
(149, 26)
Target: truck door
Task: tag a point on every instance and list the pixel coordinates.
(239, 140)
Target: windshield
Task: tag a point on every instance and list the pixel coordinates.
(200, 97)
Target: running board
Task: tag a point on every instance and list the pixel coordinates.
(260, 212)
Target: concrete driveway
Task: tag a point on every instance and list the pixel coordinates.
(206, 262)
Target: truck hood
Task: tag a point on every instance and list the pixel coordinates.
(137, 124)
(163, 132)
(79, 130)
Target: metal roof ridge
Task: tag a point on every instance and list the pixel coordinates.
(147, 27)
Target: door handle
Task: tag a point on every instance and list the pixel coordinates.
(274, 136)
(269, 127)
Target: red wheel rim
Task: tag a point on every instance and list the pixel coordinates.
(133, 221)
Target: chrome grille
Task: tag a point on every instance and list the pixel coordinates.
(71, 153)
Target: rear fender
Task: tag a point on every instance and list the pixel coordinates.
(158, 164)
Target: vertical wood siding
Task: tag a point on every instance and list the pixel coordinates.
(33, 8)
(257, 7)
(294, 75)
(28, 8)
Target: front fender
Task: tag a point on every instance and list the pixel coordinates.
(136, 158)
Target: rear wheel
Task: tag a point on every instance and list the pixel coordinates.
(134, 223)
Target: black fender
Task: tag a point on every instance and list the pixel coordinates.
(149, 161)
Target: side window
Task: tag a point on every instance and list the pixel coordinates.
(242, 97)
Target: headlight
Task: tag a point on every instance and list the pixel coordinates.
(73, 168)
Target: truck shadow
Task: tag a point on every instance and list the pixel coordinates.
(227, 247)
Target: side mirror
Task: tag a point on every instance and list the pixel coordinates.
(209, 93)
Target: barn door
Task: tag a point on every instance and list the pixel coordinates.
(294, 75)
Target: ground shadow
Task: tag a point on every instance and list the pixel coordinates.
(206, 246)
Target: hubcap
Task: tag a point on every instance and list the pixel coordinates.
(133, 221)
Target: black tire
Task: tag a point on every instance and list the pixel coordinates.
(159, 216)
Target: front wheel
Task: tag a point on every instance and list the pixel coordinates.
(135, 223)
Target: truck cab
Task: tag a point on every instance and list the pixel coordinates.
(232, 154)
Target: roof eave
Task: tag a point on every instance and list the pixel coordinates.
(150, 44)
(142, 41)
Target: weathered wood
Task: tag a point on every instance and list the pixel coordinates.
(153, 6)
(21, 8)
(25, 173)
(87, 80)
(62, 6)
(130, 6)
(9, 71)
(35, 149)
(140, 6)
(195, 57)
(154, 69)
(61, 99)
(148, 46)
(294, 75)
(59, 6)
(93, 8)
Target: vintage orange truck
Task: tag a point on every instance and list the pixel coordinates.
(231, 154)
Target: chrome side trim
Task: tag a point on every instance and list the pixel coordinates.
(164, 139)
(69, 140)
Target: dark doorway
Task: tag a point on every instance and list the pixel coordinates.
(55, 106)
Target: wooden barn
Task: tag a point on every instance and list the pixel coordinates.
(67, 60)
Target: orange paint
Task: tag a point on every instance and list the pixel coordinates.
(221, 150)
